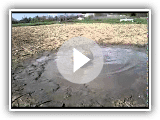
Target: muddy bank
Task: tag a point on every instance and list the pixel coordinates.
(121, 83)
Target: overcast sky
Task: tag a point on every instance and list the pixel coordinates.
(19, 16)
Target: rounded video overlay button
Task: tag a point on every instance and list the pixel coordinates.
(80, 60)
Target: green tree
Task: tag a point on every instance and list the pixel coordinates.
(29, 19)
(34, 20)
(56, 18)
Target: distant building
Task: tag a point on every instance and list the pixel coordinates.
(80, 18)
(141, 14)
(136, 14)
(87, 14)
(129, 14)
(100, 14)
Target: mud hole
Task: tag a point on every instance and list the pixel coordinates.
(36, 81)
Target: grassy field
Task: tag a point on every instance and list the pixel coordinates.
(113, 21)
(33, 24)
(87, 21)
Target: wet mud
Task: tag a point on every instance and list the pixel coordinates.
(121, 83)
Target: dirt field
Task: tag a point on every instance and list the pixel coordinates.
(29, 41)
(26, 41)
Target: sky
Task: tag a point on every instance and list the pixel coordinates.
(19, 16)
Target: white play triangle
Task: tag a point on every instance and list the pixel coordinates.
(79, 59)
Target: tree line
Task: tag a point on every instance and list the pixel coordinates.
(43, 19)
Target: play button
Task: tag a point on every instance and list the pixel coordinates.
(79, 60)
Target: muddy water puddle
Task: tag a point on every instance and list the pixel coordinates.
(123, 76)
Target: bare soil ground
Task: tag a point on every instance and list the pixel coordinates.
(26, 41)
(27, 87)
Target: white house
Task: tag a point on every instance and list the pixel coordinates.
(80, 18)
(88, 14)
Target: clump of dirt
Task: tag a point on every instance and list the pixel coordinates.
(127, 102)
